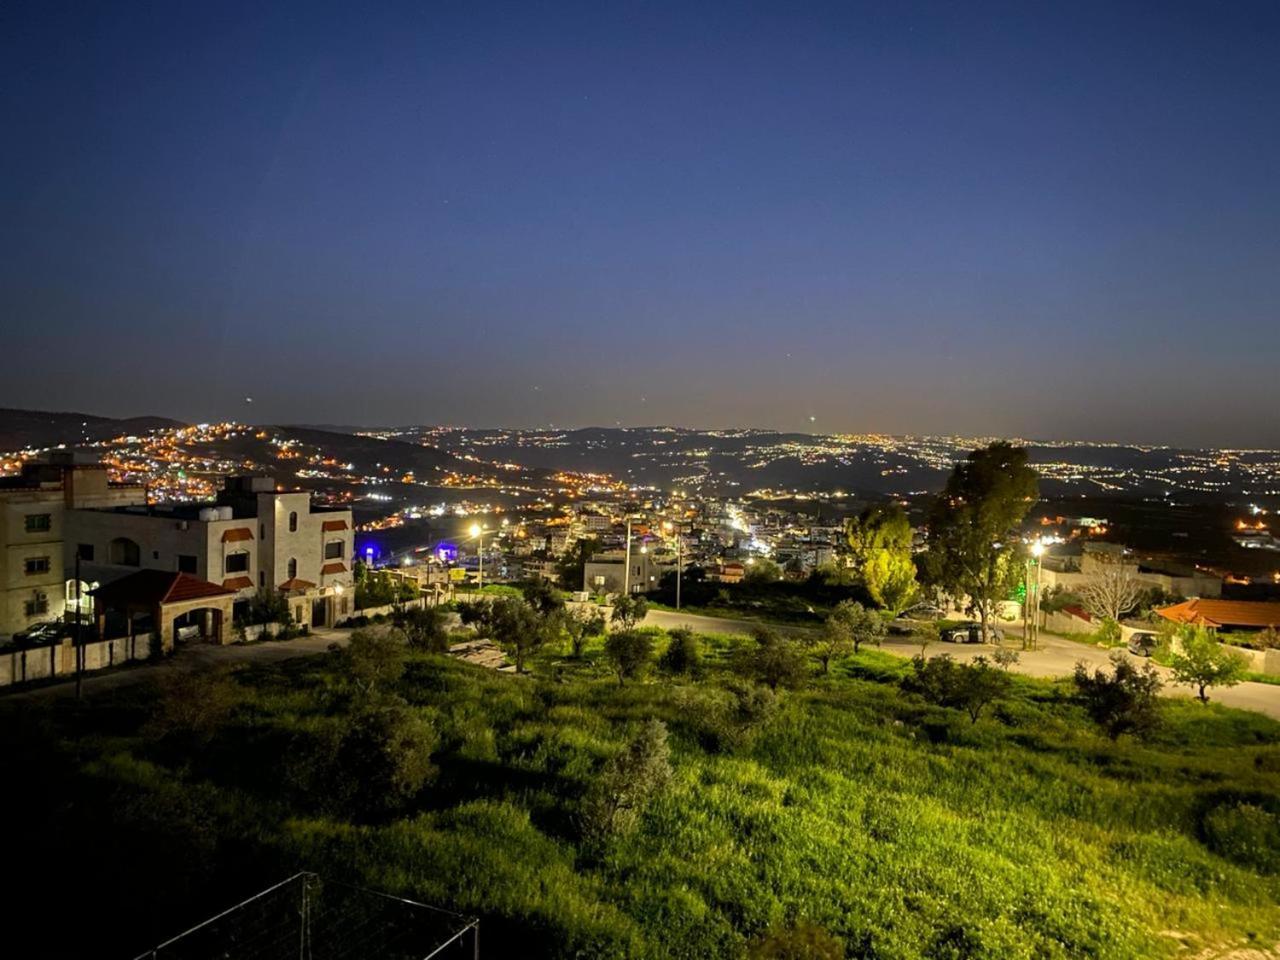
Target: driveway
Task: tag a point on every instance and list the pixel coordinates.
(1056, 657)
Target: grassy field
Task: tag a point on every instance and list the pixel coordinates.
(899, 828)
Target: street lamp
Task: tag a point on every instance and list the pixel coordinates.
(626, 563)
(1037, 551)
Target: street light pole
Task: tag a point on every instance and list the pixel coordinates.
(477, 531)
(79, 639)
(1037, 551)
(626, 563)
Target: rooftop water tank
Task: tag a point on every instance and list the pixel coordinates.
(225, 513)
(207, 514)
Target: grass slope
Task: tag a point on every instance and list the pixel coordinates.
(900, 828)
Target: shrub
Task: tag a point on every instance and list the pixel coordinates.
(1244, 833)
(620, 793)
(772, 660)
(803, 941)
(382, 760)
(580, 623)
(1124, 701)
(683, 655)
(970, 687)
(374, 659)
(861, 625)
(1005, 657)
(630, 652)
(1108, 633)
(424, 629)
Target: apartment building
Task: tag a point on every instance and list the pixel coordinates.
(253, 537)
(34, 507)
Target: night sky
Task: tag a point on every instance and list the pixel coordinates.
(933, 218)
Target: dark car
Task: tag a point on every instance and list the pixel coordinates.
(971, 633)
(50, 631)
(1143, 644)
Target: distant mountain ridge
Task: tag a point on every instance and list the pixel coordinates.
(22, 429)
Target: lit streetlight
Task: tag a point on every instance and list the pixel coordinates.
(477, 532)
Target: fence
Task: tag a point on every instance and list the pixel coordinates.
(20, 665)
(307, 918)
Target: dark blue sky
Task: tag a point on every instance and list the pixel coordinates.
(961, 218)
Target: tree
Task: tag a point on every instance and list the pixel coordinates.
(762, 570)
(1123, 701)
(1205, 663)
(1113, 590)
(580, 623)
(974, 524)
(630, 652)
(1005, 657)
(772, 659)
(543, 597)
(925, 634)
(374, 658)
(268, 606)
(863, 625)
(383, 760)
(629, 611)
(831, 641)
(880, 539)
(683, 655)
(424, 628)
(516, 627)
(966, 686)
(626, 784)
(573, 564)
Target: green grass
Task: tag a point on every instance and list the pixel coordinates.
(899, 827)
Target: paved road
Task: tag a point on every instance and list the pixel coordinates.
(1056, 657)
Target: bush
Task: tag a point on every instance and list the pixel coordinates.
(1244, 833)
(424, 629)
(629, 611)
(683, 656)
(1108, 633)
(626, 784)
(772, 660)
(803, 941)
(630, 652)
(1124, 701)
(970, 687)
(374, 659)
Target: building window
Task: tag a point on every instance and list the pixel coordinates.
(333, 550)
(37, 605)
(186, 563)
(38, 522)
(236, 562)
(262, 531)
(85, 552)
(155, 554)
(36, 565)
(262, 579)
(293, 567)
(293, 522)
(125, 553)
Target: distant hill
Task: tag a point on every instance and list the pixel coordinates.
(20, 429)
(368, 452)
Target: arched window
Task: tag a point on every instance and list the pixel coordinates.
(293, 522)
(125, 553)
(293, 567)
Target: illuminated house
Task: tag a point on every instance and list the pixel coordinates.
(254, 537)
(34, 554)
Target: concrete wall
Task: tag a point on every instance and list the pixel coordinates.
(59, 660)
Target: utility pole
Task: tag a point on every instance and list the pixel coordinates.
(78, 640)
(626, 563)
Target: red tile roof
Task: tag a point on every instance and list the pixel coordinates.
(334, 568)
(334, 525)
(158, 587)
(1224, 613)
(237, 583)
(293, 583)
(237, 533)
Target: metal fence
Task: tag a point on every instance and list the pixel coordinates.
(308, 918)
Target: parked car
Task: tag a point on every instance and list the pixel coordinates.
(50, 631)
(971, 633)
(1143, 644)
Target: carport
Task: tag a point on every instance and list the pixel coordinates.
(166, 597)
